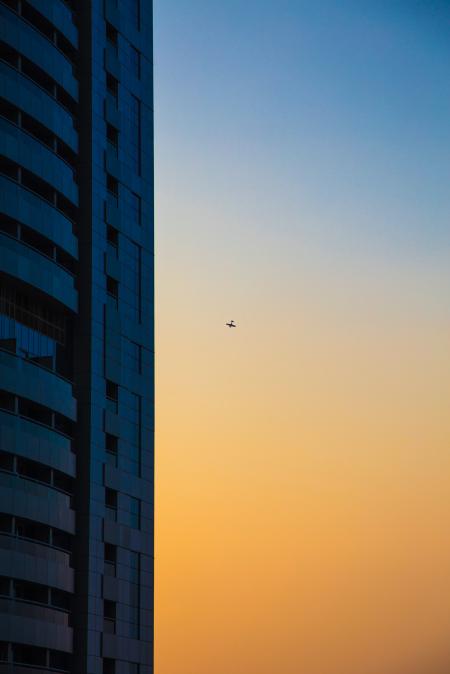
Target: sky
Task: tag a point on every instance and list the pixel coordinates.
(302, 167)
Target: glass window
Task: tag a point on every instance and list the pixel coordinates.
(3, 651)
(4, 586)
(135, 12)
(109, 616)
(130, 456)
(30, 329)
(110, 554)
(112, 396)
(29, 655)
(111, 36)
(135, 561)
(60, 599)
(132, 356)
(109, 666)
(131, 203)
(6, 461)
(59, 661)
(131, 280)
(131, 116)
(111, 504)
(131, 59)
(135, 513)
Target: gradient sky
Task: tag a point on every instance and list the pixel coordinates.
(303, 464)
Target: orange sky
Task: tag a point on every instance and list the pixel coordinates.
(303, 499)
(303, 463)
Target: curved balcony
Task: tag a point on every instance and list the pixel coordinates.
(5, 668)
(26, 207)
(25, 609)
(28, 152)
(33, 561)
(37, 502)
(19, 35)
(26, 379)
(34, 632)
(27, 265)
(38, 443)
(59, 14)
(26, 567)
(28, 96)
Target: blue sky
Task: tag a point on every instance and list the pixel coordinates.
(325, 107)
(302, 189)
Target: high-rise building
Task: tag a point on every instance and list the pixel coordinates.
(76, 337)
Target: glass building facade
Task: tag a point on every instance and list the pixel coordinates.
(76, 337)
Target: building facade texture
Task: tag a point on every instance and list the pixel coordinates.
(76, 337)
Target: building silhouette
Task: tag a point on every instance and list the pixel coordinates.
(76, 337)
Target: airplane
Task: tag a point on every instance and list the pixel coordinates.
(231, 324)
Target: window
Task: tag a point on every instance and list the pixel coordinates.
(30, 592)
(131, 205)
(110, 555)
(34, 470)
(135, 418)
(132, 131)
(112, 236)
(111, 504)
(112, 390)
(111, 35)
(62, 482)
(7, 401)
(60, 599)
(37, 130)
(112, 396)
(43, 25)
(109, 666)
(112, 185)
(32, 530)
(9, 55)
(36, 412)
(135, 513)
(5, 587)
(112, 86)
(130, 456)
(135, 565)
(111, 447)
(32, 313)
(4, 651)
(9, 168)
(62, 540)
(112, 287)
(59, 661)
(63, 424)
(112, 239)
(109, 616)
(135, 13)
(9, 226)
(112, 136)
(135, 130)
(36, 241)
(9, 111)
(6, 462)
(135, 62)
(39, 76)
(5, 524)
(131, 280)
(132, 356)
(29, 655)
(132, 59)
